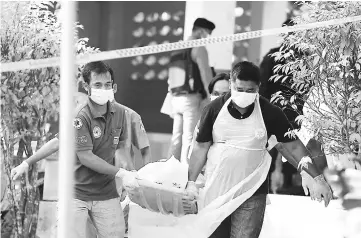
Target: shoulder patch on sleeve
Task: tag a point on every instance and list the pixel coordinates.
(78, 123)
(82, 139)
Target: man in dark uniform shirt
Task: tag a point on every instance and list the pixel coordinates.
(267, 89)
(230, 113)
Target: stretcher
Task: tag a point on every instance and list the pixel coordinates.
(161, 188)
(156, 197)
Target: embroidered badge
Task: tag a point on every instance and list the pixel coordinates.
(259, 133)
(77, 123)
(97, 132)
(81, 139)
(116, 140)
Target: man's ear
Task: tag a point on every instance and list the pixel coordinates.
(86, 87)
(115, 88)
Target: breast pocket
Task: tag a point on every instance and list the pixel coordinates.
(115, 136)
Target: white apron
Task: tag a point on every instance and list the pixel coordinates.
(237, 165)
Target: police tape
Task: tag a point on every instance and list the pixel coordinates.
(131, 52)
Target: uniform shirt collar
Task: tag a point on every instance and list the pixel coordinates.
(95, 113)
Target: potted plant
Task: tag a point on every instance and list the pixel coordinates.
(28, 99)
(322, 66)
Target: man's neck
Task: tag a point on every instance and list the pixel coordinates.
(102, 109)
(241, 110)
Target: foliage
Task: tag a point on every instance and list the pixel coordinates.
(28, 97)
(328, 71)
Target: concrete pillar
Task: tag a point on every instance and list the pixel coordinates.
(221, 13)
(266, 15)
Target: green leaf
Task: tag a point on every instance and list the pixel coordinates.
(315, 60)
(321, 68)
(324, 53)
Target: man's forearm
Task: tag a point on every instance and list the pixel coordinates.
(198, 160)
(294, 152)
(318, 155)
(49, 148)
(206, 77)
(93, 162)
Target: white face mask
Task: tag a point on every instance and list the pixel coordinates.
(212, 97)
(111, 96)
(243, 99)
(101, 96)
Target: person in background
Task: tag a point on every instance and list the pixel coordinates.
(284, 177)
(219, 86)
(231, 142)
(189, 76)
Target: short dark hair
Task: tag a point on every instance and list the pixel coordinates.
(98, 67)
(246, 71)
(203, 24)
(288, 22)
(218, 77)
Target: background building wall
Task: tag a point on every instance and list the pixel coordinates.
(142, 81)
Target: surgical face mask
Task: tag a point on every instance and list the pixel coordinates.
(212, 97)
(243, 99)
(111, 96)
(101, 96)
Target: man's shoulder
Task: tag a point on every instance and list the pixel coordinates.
(199, 50)
(269, 107)
(216, 105)
(119, 107)
(129, 112)
(82, 110)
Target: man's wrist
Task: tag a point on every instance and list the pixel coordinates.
(320, 178)
(304, 163)
(26, 164)
(121, 173)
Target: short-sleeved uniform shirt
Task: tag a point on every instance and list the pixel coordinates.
(275, 120)
(102, 134)
(137, 136)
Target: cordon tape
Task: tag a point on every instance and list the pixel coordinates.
(130, 52)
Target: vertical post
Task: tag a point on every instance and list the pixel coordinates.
(265, 15)
(66, 151)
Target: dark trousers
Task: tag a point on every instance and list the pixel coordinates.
(246, 221)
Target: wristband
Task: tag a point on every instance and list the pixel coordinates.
(320, 178)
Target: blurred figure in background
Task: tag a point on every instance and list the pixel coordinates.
(219, 86)
(284, 178)
(189, 76)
